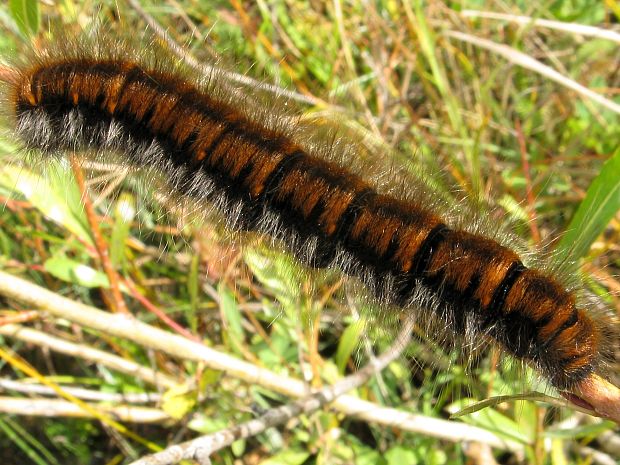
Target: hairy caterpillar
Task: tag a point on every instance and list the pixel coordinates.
(264, 177)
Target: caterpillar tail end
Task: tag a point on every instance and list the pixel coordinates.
(599, 395)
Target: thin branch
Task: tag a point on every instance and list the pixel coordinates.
(81, 393)
(127, 327)
(572, 28)
(202, 448)
(526, 61)
(62, 408)
(88, 353)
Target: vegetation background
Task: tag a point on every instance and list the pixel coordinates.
(396, 74)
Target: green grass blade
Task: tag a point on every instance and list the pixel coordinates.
(27, 16)
(601, 203)
(21, 444)
(34, 442)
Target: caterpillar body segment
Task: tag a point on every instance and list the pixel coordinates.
(263, 177)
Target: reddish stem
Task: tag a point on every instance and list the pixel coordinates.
(100, 244)
(160, 313)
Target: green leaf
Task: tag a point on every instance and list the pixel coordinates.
(27, 15)
(348, 342)
(399, 455)
(54, 194)
(277, 271)
(178, 401)
(601, 203)
(206, 424)
(526, 417)
(231, 315)
(287, 457)
(238, 447)
(124, 215)
(492, 420)
(75, 272)
(579, 432)
(193, 282)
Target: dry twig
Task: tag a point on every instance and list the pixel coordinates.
(125, 326)
(202, 448)
(572, 28)
(526, 61)
(80, 393)
(62, 408)
(88, 353)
